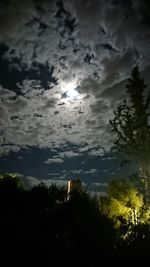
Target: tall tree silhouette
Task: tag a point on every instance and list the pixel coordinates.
(131, 125)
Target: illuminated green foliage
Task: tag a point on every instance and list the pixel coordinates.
(124, 202)
(145, 215)
(118, 209)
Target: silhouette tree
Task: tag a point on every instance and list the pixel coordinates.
(11, 190)
(131, 125)
(11, 180)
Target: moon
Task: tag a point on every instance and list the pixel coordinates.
(69, 89)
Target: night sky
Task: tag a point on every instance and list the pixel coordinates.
(63, 70)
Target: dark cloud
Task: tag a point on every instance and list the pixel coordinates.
(66, 22)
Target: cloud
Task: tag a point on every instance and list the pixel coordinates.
(76, 171)
(5, 150)
(69, 154)
(100, 184)
(98, 194)
(91, 171)
(99, 189)
(96, 152)
(31, 181)
(54, 160)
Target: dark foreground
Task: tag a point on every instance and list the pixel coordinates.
(41, 227)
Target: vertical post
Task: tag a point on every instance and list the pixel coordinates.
(68, 190)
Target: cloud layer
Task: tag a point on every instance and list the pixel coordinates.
(45, 45)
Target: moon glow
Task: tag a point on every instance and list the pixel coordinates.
(69, 89)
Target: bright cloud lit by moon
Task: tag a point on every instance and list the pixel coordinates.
(69, 90)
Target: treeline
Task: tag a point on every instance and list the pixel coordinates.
(46, 226)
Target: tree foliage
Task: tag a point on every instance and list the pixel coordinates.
(132, 128)
(131, 119)
(124, 203)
